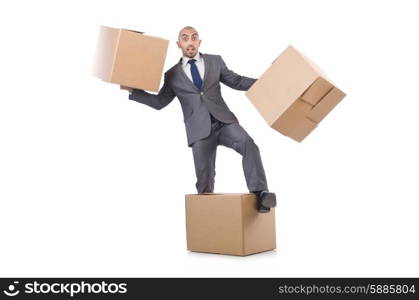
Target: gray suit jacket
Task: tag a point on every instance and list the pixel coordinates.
(197, 104)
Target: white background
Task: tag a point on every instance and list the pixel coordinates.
(92, 184)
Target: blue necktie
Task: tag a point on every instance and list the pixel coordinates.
(197, 80)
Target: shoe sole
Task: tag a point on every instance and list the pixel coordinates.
(264, 210)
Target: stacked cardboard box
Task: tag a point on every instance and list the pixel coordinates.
(228, 224)
(294, 95)
(130, 58)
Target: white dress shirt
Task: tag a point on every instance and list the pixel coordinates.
(199, 64)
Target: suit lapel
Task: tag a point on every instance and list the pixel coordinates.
(206, 64)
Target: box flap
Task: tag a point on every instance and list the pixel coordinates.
(326, 104)
(317, 91)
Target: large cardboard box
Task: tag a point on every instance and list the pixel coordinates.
(294, 95)
(228, 224)
(130, 58)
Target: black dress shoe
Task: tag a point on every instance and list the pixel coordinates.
(267, 199)
(264, 201)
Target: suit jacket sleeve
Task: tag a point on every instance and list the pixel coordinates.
(234, 80)
(162, 99)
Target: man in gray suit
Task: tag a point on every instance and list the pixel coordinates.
(195, 81)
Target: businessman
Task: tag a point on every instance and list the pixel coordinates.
(195, 81)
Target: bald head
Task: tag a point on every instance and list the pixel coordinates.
(186, 28)
(188, 41)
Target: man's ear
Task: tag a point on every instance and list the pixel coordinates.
(178, 45)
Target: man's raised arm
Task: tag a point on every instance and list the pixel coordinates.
(234, 80)
(162, 99)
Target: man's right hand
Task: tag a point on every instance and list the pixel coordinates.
(123, 87)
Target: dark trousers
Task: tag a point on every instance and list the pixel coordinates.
(235, 137)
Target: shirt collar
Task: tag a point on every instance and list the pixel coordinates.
(185, 59)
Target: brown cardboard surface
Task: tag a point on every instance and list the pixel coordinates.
(130, 58)
(293, 95)
(259, 230)
(302, 130)
(317, 91)
(326, 104)
(281, 84)
(105, 52)
(294, 115)
(228, 224)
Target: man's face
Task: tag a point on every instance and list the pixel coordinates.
(189, 42)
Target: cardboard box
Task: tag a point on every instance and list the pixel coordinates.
(130, 58)
(294, 95)
(228, 224)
